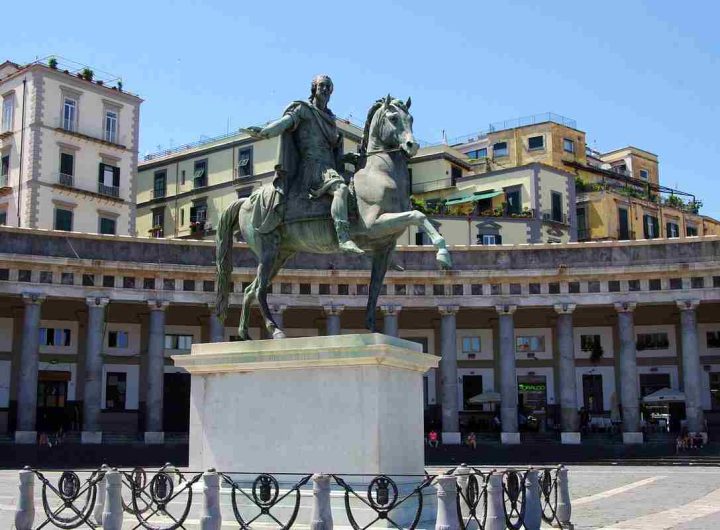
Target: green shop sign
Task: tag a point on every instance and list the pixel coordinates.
(529, 387)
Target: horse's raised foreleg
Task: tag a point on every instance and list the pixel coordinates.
(380, 261)
(389, 223)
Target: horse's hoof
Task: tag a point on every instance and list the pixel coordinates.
(443, 257)
(279, 334)
(243, 336)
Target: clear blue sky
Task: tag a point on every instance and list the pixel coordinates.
(631, 73)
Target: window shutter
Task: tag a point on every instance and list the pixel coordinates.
(646, 234)
(498, 239)
(116, 177)
(101, 172)
(668, 230)
(656, 226)
(480, 239)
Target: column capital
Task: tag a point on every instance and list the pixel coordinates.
(390, 309)
(506, 309)
(446, 310)
(158, 305)
(625, 307)
(33, 298)
(564, 309)
(333, 309)
(97, 301)
(278, 308)
(687, 305)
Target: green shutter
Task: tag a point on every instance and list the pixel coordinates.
(116, 177)
(101, 171)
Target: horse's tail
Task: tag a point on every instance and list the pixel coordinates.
(223, 258)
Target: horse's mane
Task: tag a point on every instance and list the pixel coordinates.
(370, 115)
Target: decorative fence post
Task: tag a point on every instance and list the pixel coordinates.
(25, 511)
(447, 518)
(321, 518)
(211, 518)
(533, 508)
(495, 519)
(564, 508)
(462, 474)
(112, 517)
(100, 499)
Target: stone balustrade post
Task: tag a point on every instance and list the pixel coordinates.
(692, 372)
(462, 475)
(332, 314)
(569, 420)
(564, 507)
(100, 497)
(508, 376)
(25, 507)
(495, 518)
(629, 395)
(211, 518)
(112, 517)
(155, 373)
(390, 319)
(26, 432)
(321, 517)
(448, 375)
(91, 430)
(447, 517)
(533, 507)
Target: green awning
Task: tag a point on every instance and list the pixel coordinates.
(474, 197)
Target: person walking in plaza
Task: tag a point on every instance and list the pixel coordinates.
(472, 440)
(433, 438)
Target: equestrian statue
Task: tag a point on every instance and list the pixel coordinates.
(309, 207)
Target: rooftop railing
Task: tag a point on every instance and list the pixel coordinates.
(514, 123)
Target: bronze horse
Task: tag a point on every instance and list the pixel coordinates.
(382, 194)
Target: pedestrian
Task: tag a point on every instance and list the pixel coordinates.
(433, 438)
(472, 440)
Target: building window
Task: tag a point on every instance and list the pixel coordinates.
(7, 113)
(108, 226)
(477, 153)
(200, 174)
(691, 231)
(208, 286)
(589, 343)
(245, 163)
(633, 285)
(512, 198)
(148, 283)
(55, 337)
(623, 224)
(697, 282)
(111, 126)
(63, 219)
(455, 174)
(530, 343)
(198, 216)
(672, 230)
(188, 285)
(4, 171)
(488, 239)
(109, 180)
(574, 287)
(500, 149)
(536, 142)
(568, 145)
(713, 339)
(67, 278)
(69, 114)
(655, 284)
(676, 283)
(534, 288)
(178, 342)
(128, 282)
(158, 222)
(556, 213)
(471, 387)
(118, 339)
(168, 284)
(475, 289)
(159, 184)
(46, 276)
(67, 169)
(652, 341)
(88, 280)
(644, 174)
(115, 391)
(651, 226)
(108, 281)
(3, 217)
(554, 288)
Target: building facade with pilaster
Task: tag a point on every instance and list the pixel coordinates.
(528, 335)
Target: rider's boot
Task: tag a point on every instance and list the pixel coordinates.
(344, 242)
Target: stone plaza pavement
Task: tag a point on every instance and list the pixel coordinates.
(603, 497)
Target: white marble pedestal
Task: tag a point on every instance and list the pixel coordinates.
(346, 404)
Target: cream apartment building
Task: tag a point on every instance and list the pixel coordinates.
(68, 150)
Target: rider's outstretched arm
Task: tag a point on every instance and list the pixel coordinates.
(277, 127)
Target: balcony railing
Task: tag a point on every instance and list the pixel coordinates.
(158, 193)
(110, 191)
(432, 185)
(555, 217)
(583, 234)
(98, 134)
(65, 179)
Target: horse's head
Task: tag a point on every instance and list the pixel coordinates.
(389, 127)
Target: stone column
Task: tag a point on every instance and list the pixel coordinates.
(217, 329)
(569, 420)
(390, 319)
(332, 313)
(692, 373)
(508, 376)
(28, 376)
(448, 375)
(629, 395)
(155, 373)
(91, 430)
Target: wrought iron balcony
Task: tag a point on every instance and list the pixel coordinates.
(110, 191)
(65, 180)
(555, 217)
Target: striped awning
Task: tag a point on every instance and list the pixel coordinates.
(478, 196)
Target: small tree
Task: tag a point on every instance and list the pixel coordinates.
(52, 63)
(87, 74)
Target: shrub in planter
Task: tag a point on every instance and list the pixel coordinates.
(52, 63)
(87, 74)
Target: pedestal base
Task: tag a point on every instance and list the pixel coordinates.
(25, 437)
(570, 438)
(510, 438)
(632, 438)
(336, 404)
(155, 437)
(451, 438)
(91, 437)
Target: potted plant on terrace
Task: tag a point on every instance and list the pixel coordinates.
(87, 74)
(52, 63)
